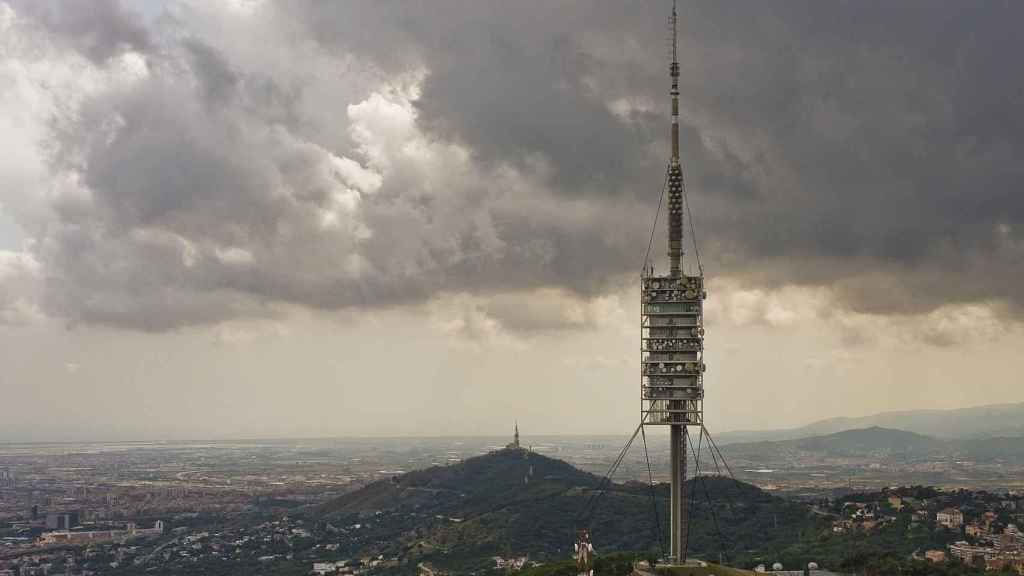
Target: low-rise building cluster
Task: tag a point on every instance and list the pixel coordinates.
(981, 527)
(996, 551)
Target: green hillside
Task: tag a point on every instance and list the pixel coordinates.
(877, 442)
(514, 502)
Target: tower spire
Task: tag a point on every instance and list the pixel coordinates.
(675, 171)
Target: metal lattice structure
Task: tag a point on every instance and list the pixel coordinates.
(672, 350)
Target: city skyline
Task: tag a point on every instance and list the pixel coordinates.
(253, 219)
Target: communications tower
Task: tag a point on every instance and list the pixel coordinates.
(672, 337)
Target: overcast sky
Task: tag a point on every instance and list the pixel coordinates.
(309, 218)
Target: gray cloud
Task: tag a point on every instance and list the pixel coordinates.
(18, 275)
(868, 147)
(865, 146)
(98, 29)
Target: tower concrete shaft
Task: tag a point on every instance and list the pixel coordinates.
(680, 529)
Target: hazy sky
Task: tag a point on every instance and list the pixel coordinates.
(300, 217)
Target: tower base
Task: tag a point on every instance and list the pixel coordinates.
(643, 568)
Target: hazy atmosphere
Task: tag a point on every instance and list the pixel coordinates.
(256, 218)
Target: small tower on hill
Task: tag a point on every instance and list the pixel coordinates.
(514, 445)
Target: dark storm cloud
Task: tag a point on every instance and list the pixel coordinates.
(513, 79)
(870, 147)
(902, 131)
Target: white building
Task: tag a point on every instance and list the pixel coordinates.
(950, 518)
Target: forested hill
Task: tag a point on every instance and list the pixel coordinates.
(993, 421)
(519, 502)
(849, 443)
(471, 486)
(878, 443)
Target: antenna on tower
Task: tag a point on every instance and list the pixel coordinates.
(675, 44)
(675, 171)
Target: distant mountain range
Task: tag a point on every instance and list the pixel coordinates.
(880, 443)
(521, 502)
(996, 420)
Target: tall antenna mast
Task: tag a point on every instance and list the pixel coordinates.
(679, 517)
(672, 337)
